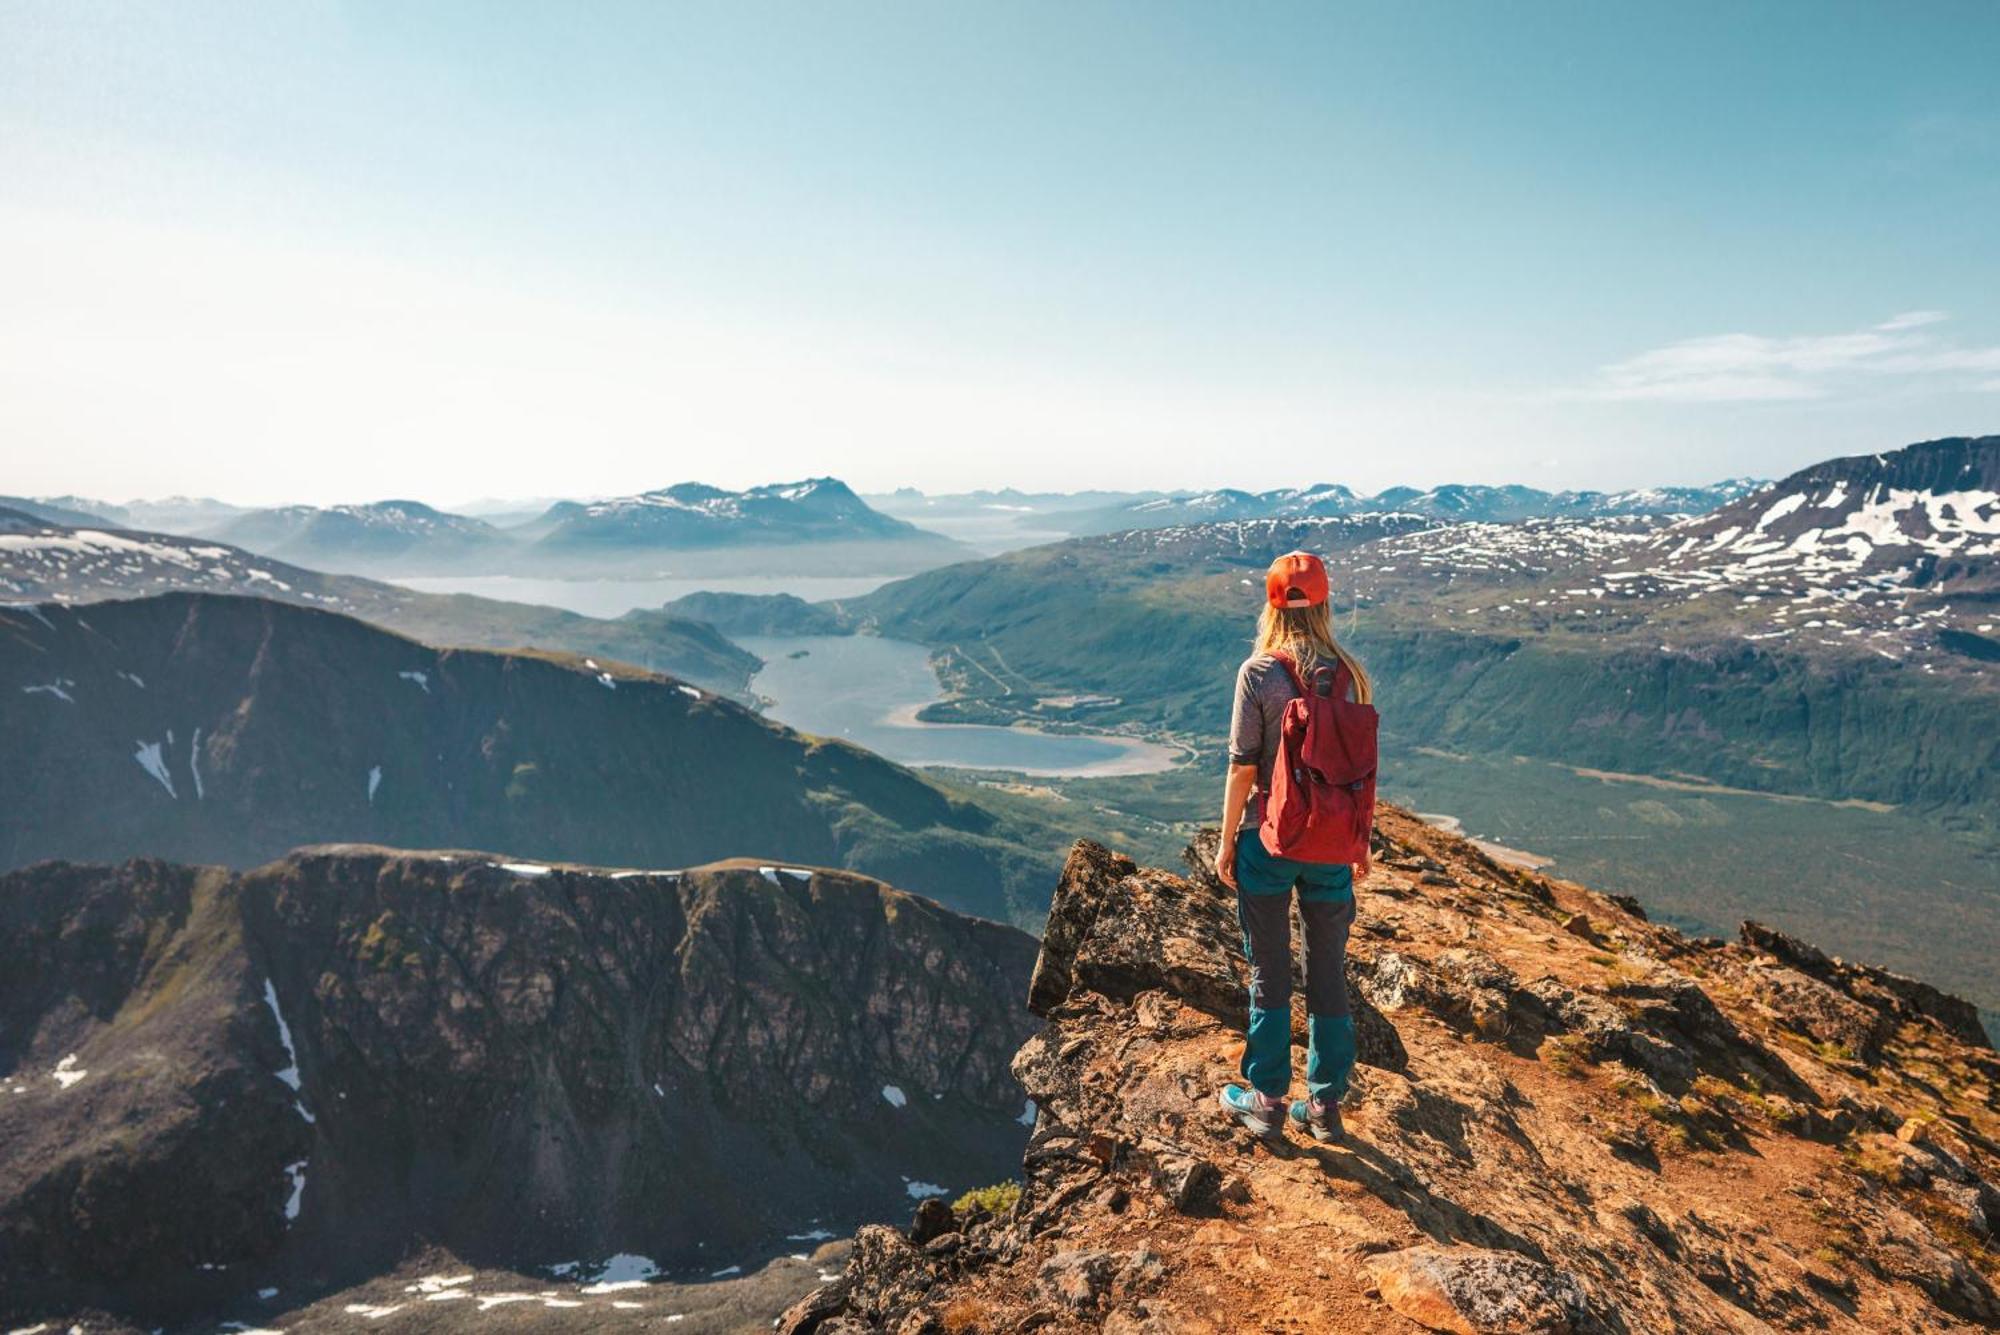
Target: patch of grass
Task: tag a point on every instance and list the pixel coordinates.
(962, 1316)
(996, 1199)
(1566, 1054)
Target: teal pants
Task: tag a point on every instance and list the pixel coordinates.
(1264, 886)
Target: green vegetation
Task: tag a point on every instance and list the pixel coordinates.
(1714, 785)
(996, 1199)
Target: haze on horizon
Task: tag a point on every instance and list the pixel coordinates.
(345, 251)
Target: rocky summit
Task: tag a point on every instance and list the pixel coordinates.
(1567, 1119)
(234, 1094)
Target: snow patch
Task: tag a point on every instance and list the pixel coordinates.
(422, 679)
(438, 1283)
(154, 762)
(290, 1074)
(1027, 1117)
(54, 688)
(1784, 507)
(726, 1270)
(374, 782)
(894, 1097)
(194, 765)
(526, 868)
(692, 692)
(297, 1173)
(810, 1235)
(923, 1191)
(67, 1072)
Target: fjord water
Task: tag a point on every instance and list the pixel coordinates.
(867, 690)
(616, 597)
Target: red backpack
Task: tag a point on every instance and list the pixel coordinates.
(1322, 800)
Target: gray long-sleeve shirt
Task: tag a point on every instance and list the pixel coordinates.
(1263, 689)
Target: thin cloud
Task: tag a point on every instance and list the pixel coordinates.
(1734, 368)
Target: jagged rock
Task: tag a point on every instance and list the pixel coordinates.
(1475, 1291)
(1083, 1280)
(1887, 991)
(1821, 1012)
(1193, 1186)
(1968, 1205)
(933, 1219)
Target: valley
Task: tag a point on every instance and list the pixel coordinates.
(1796, 682)
(196, 727)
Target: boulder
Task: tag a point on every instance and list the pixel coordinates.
(1478, 1291)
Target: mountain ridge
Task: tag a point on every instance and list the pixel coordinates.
(1566, 1119)
(226, 1086)
(42, 561)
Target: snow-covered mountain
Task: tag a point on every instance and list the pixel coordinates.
(396, 537)
(695, 515)
(40, 561)
(1452, 502)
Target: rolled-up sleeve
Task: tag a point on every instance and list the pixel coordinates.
(1246, 721)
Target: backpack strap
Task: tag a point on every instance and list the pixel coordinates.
(1337, 688)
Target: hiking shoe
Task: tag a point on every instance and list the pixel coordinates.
(1260, 1112)
(1321, 1117)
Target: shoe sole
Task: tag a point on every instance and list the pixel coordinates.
(1257, 1125)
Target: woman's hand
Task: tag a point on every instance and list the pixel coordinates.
(1361, 870)
(1225, 859)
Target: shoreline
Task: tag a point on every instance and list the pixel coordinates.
(1139, 755)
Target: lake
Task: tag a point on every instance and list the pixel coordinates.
(615, 597)
(867, 690)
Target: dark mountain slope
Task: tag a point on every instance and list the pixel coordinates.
(221, 729)
(80, 565)
(1630, 645)
(219, 1083)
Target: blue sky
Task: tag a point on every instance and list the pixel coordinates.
(339, 251)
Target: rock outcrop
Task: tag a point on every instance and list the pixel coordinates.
(1567, 1119)
(213, 1084)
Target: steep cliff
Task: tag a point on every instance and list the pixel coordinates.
(1567, 1119)
(213, 1084)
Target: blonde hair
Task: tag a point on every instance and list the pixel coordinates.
(1305, 635)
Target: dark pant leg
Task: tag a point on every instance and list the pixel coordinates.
(1325, 920)
(1264, 911)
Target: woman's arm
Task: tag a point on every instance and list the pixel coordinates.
(1235, 795)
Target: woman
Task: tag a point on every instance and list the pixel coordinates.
(1295, 645)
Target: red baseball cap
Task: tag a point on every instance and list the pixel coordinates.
(1296, 579)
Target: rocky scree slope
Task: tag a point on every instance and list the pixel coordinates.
(1567, 1119)
(213, 1084)
(220, 729)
